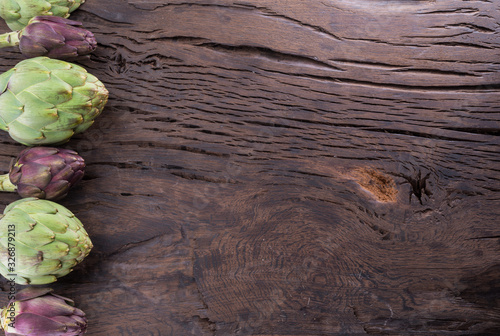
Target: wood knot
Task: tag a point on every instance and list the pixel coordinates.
(380, 185)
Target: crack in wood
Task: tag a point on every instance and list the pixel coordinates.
(419, 186)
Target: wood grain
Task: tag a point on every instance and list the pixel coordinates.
(289, 168)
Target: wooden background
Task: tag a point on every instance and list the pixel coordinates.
(285, 167)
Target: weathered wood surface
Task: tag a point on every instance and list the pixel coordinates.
(290, 168)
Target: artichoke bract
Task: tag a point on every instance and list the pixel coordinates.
(17, 13)
(51, 36)
(40, 312)
(40, 241)
(45, 101)
(44, 172)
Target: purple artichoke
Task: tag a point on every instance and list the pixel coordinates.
(39, 312)
(44, 172)
(51, 36)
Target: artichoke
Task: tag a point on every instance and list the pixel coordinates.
(44, 172)
(40, 241)
(46, 101)
(51, 36)
(39, 312)
(17, 13)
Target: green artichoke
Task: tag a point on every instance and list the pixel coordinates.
(17, 13)
(46, 101)
(40, 241)
(39, 312)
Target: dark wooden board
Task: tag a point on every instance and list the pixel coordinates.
(289, 168)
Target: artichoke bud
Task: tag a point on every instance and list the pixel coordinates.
(17, 13)
(55, 37)
(44, 172)
(38, 311)
(45, 238)
(45, 101)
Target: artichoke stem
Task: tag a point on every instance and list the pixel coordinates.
(9, 39)
(5, 184)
